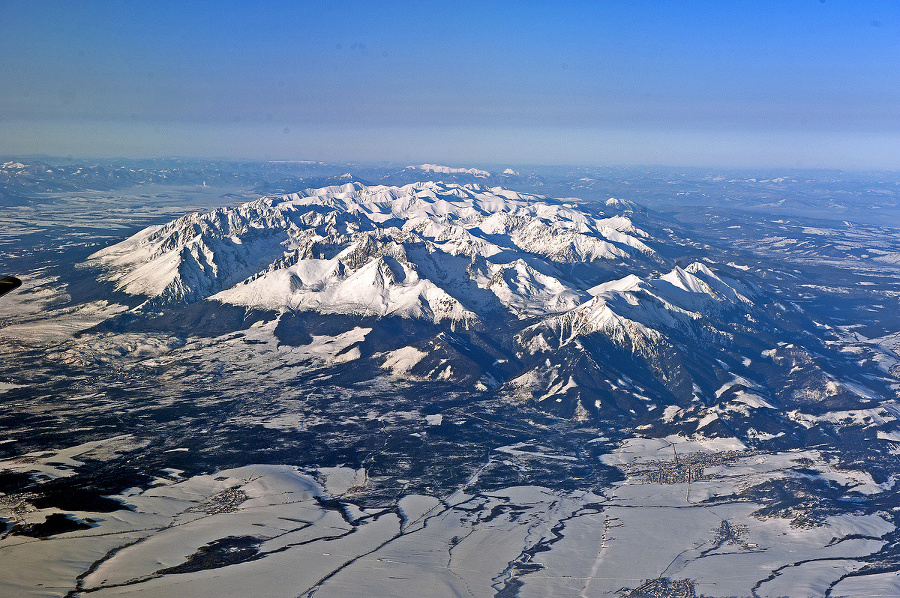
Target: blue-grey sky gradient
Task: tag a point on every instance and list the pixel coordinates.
(743, 83)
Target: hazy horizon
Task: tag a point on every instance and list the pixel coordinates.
(807, 84)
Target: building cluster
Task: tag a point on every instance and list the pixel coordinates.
(732, 534)
(683, 469)
(226, 501)
(662, 587)
(18, 505)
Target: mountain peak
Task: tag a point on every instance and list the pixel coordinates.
(449, 170)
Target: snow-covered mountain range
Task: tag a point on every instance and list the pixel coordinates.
(428, 250)
(435, 168)
(536, 298)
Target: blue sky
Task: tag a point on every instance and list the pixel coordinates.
(727, 83)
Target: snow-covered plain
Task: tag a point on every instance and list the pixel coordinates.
(279, 535)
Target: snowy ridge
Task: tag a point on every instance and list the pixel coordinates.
(635, 313)
(426, 250)
(193, 256)
(644, 318)
(381, 287)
